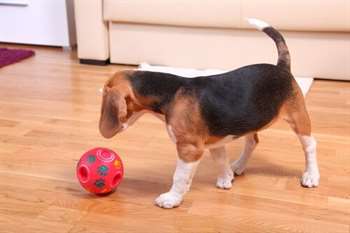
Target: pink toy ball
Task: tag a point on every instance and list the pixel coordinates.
(100, 171)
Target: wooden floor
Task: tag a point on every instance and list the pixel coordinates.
(49, 110)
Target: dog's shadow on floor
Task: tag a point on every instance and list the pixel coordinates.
(256, 167)
(145, 187)
(206, 175)
(266, 168)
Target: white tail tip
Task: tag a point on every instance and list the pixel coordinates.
(259, 24)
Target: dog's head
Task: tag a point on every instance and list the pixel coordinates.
(113, 112)
(117, 105)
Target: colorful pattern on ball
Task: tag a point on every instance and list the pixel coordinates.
(105, 156)
(103, 170)
(100, 183)
(117, 164)
(97, 170)
(91, 158)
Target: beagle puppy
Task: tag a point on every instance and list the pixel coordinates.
(207, 112)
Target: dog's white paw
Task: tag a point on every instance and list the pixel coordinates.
(310, 179)
(224, 182)
(168, 200)
(238, 167)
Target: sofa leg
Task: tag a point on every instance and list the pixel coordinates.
(94, 62)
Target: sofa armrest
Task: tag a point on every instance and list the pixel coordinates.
(92, 31)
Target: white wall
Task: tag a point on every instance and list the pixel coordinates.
(43, 22)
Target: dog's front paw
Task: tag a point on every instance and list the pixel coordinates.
(168, 200)
(310, 179)
(238, 167)
(224, 182)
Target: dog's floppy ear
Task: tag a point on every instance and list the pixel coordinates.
(113, 112)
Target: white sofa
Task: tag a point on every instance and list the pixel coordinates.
(214, 34)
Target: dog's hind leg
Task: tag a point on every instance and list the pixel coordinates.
(299, 120)
(225, 176)
(238, 166)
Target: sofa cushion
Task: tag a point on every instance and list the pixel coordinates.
(301, 15)
(205, 13)
(297, 15)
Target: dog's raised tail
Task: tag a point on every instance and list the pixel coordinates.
(283, 52)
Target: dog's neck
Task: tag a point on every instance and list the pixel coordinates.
(154, 91)
(139, 105)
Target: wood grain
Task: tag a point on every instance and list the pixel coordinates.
(49, 110)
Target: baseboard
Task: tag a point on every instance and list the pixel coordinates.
(94, 62)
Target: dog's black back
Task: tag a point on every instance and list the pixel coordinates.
(243, 100)
(232, 103)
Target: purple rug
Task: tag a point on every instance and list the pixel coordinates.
(9, 56)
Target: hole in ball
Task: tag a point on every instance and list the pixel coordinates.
(116, 179)
(83, 174)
